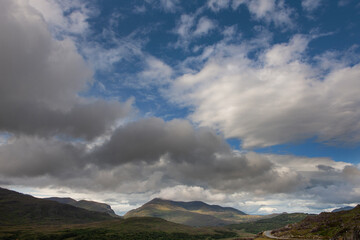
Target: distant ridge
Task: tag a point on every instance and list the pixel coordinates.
(88, 205)
(196, 205)
(17, 209)
(195, 213)
(347, 208)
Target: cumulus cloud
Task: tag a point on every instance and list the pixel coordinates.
(152, 158)
(150, 155)
(31, 157)
(149, 139)
(42, 78)
(274, 99)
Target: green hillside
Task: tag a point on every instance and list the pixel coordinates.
(190, 213)
(18, 209)
(26, 217)
(117, 229)
(335, 225)
(269, 223)
(88, 205)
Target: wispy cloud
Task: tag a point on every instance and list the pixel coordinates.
(270, 11)
(310, 5)
(191, 26)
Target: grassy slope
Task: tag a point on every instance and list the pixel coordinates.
(270, 223)
(88, 205)
(132, 228)
(190, 213)
(25, 217)
(326, 225)
(18, 209)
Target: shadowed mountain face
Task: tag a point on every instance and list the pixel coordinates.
(88, 205)
(190, 213)
(17, 209)
(347, 208)
(334, 225)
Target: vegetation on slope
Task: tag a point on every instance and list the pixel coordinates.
(190, 213)
(132, 228)
(17, 209)
(88, 205)
(335, 225)
(25, 217)
(269, 223)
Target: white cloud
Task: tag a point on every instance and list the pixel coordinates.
(310, 5)
(169, 5)
(275, 99)
(267, 210)
(190, 193)
(272, 11)
(184, 25)
(204, 26)
(156, 72)
(190, 27)
(261, 8)
(217, 5)
(53, 13)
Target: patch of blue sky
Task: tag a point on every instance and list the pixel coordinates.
(312, 148)
(4, 137)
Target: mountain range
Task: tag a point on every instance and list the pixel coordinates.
(17, 209)
(26, 217)
(88, 205)
(194, 213)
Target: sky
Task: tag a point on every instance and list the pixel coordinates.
(252, 104)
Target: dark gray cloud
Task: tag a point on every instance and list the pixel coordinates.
(41, 78)
(86, 120)
(33, 157)
(149, 139)
(150, 155)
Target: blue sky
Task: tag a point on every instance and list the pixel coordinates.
(148, 98)
(155, 27)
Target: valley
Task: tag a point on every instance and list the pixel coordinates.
(26, 217)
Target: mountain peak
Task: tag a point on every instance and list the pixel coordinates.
(88, 205)
(194, 213)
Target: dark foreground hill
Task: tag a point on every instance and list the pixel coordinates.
(190, 213)
(88, 205)
(334, 225)
(17, 209)
(26, 217)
